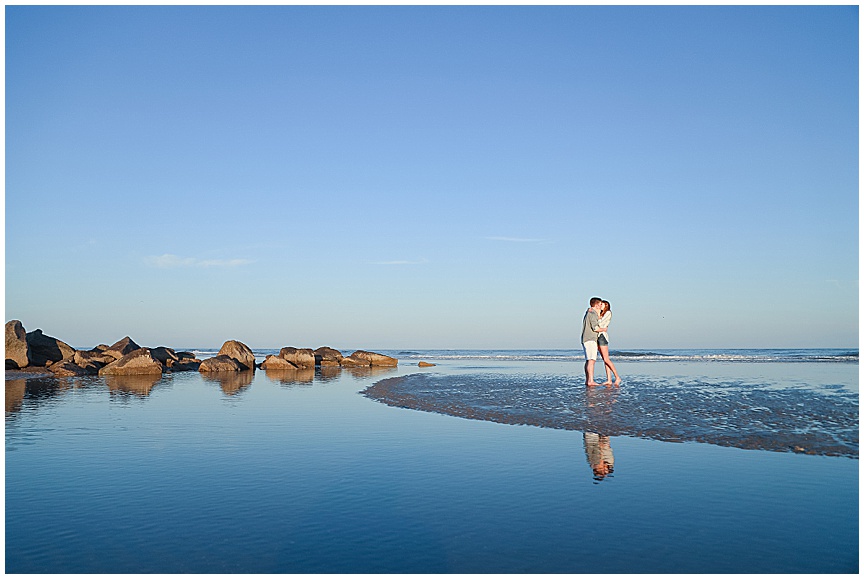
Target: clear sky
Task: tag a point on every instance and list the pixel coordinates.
(433, 177)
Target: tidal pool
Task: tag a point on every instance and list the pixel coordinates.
(269, 473)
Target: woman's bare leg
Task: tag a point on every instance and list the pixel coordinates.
(610, 367)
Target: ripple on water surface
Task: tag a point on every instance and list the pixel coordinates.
(725, 413)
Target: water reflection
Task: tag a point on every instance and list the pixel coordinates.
(34, 389)
(599, 405)
(327, 373)
(598, 452)
(232, 383)
(369, 371)
(15, 390)
(291, 377)
(137, 385)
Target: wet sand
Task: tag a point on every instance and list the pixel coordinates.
(724, 413)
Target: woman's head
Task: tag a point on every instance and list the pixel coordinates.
(605, 307)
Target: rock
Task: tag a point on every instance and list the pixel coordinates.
(84, 358)
(136, 362)
(301, 358)
(186, 366)
(374, 359)
(166, 356)
(352, 362)
(17, 350)
(240, 352)
(68, 369)
(122, 347)
(45, 350)
(220, 363)
(325, 356)
(277, 363)
(186, 361)
(425, 364)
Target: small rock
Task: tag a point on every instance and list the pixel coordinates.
(425, 364)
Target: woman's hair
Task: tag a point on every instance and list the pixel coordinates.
(607, 307)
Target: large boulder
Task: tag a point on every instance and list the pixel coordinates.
(45, 350)
(240, 352)
(17, 350)
(139, 361)
(277, 363)
(122, 347)
(220, 363)
(325, 356)
(373, 359)
(301, 358)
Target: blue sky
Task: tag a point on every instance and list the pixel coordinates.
(433, 177)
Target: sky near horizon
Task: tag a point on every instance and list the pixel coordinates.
(433, 177)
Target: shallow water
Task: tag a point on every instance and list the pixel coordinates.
(752, 411)
(300, 473)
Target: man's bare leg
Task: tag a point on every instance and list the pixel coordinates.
(589, 373)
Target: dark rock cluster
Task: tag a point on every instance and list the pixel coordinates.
(35, 351)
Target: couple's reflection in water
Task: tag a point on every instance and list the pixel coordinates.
(598, 452)
(599, 407)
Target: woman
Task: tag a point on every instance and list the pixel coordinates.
(603, 344)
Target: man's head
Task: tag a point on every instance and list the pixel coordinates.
(595, 303)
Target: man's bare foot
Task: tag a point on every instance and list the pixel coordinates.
(591, 384)
(607, 383)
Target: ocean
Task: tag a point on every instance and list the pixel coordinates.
(701, 461)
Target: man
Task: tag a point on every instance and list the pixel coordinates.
(590, 329)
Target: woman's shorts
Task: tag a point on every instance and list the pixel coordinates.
(602, 341)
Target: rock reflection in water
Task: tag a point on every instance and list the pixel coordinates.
(327, 373)
(137, 385)
(291, 377)
(369, 371)
(15, 390)
(33, 389)
(726, 413)
(232, 383)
